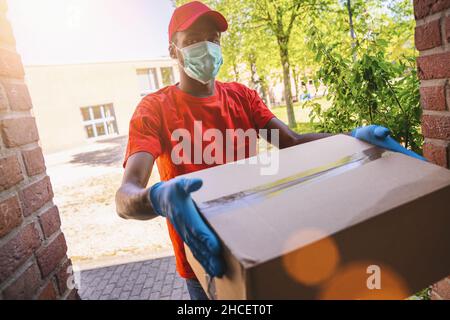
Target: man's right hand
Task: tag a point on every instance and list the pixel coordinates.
(172, 199)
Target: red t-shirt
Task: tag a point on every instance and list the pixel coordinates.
(233, 106)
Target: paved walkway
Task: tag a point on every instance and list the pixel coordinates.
(154, 279)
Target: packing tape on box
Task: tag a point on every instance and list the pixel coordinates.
(332, 169)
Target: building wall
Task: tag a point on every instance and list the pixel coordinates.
(33, 261)
(433, 41)
(58, 93)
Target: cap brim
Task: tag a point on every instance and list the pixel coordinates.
(216, 16)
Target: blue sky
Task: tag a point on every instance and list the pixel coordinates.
(78, 31)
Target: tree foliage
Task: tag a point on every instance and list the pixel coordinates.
(369, 83)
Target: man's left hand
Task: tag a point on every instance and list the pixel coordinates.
(380, 136)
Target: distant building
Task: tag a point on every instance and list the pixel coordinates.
(80, 103)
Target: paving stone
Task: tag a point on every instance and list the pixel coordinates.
(124, 295)
(115, 278)
(154, 296)
(145, 294)
(137, 290)
(115, 294)
(176, 294)
(108, 289)
(141, 278)
(157, 286)
(95, 295)
(149, 282)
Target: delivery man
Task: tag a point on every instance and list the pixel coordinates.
(194, 36)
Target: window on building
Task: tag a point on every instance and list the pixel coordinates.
(148, 80)
(99, 120)
(167, 76)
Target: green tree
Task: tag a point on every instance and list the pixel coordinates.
(365, 83)
(260, 53)
(280, 16)
(303, 65)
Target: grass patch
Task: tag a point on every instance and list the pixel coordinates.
(304, 127)
(301, 115)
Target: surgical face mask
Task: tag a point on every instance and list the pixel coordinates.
(202, 60)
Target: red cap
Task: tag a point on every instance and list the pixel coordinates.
(184, 16)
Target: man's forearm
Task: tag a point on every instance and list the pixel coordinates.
(308, 137)
(132, 202)
(296, 139)
(286, 137)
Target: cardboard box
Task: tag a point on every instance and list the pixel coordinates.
(341, 219)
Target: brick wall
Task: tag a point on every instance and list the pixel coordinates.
(433, 41)
(33, 261)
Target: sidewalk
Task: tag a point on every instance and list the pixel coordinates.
(154, 279)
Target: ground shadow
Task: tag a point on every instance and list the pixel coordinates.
(112, 156)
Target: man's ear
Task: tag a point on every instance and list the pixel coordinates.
(173, 51)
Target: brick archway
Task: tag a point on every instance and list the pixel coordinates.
(33, 261)
(433, 42)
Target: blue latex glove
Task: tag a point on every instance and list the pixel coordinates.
(379, 136)
(172, 199)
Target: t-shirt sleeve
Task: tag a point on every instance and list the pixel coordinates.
(261, 114)
(144, 131)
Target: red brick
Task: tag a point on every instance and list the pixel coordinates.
(25, 286)
(50, 257)
(11, 64)
(442, 288)
(433, 98)
(436, 154)
(10, 215)
(436, 126)
(448, 96)
(48, 293)
(447, 28)
(10, 172)
(50, 221)
(19, 131)
(423, 8)
(428, 36)
(436, 66)
(34, 161)
(3, 99)
(17, 250)
(18, 95)
(434, 296)
(36, 195)
(6, 34)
